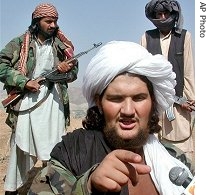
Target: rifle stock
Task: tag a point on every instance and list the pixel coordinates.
(16, 95)
(12, 97)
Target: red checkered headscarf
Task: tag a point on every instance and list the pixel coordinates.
(42, 10)
(45, 10)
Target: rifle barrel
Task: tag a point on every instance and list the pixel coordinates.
(73, 58)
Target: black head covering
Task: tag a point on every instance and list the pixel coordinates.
(175, 20)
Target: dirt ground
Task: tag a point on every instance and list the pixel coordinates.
(4, 144)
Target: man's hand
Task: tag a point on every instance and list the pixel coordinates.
(64, 67)
(117, 168)
(189, 105)
(33, 85)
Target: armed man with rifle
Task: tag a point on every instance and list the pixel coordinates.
(39, 117)
(170, 39)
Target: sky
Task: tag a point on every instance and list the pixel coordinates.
(88, 22)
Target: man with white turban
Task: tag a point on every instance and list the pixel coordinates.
(40, 117)
(126, 88)
(175, 43)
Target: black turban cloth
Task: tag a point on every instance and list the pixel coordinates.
(175, 20)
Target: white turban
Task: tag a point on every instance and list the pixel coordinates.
(122, 56)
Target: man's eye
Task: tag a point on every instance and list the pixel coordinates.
(114, 99)
(138, 98)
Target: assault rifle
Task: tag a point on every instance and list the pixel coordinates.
(53, 76)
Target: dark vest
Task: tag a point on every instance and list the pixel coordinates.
(175, 54)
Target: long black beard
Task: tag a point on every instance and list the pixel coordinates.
(116, 142)
(45, 34)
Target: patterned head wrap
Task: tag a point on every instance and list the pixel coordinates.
(45, 10)
(121, 56)
(172, 6)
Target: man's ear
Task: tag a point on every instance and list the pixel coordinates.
(97, 100)
(98, 103)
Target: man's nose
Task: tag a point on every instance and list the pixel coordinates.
(53, 24)
(163, 16)
(128, 108)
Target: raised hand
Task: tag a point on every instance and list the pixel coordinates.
(117, 168)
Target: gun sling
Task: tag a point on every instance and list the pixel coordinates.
(37, 104)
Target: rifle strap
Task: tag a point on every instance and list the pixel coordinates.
(160, 137)
(37, 104)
